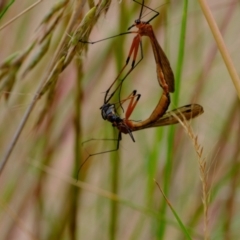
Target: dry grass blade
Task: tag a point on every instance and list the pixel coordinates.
(57, 7)
(42, 49)
(8, 83)
(221, 45)
(18, 221)
(20, 14)
(57, 64)
(202, 168)
(52, 79)
(10, 68)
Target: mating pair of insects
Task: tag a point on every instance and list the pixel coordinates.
(159, 116)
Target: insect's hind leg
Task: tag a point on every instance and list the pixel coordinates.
(103, 152)
(134, 50)
(133, 66)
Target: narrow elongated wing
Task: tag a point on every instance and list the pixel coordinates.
(186, 112)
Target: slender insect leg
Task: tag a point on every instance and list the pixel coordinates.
(143, 5)
(133, 66)
(98, 153)
(133, 51)
(133, 102)
(106, 100)
(133, 93)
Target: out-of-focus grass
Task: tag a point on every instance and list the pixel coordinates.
(40, 197)
(4, 6)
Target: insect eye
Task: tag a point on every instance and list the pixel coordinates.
(104, 116)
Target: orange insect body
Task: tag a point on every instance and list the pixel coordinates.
(159, 116)
(165, 78)
(126, 126)
(164, 72)
(157, 113)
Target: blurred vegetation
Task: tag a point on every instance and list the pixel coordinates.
(52, 87)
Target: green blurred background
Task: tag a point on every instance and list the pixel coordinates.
(40, 195)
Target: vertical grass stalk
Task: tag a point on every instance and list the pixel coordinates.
(175, 96)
